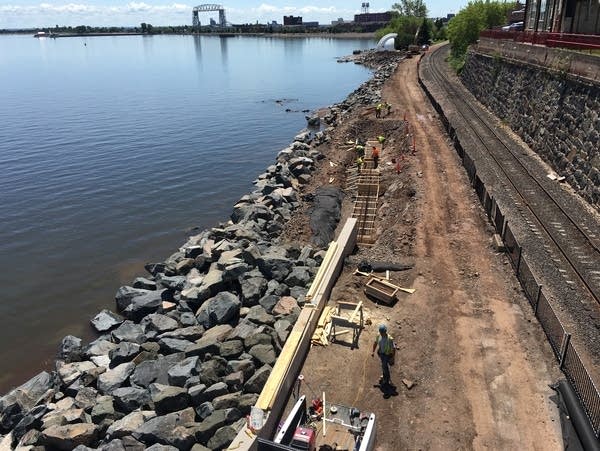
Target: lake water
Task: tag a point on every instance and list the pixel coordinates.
(111, 147)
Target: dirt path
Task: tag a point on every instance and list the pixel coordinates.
(467, 339)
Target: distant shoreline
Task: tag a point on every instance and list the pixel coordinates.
(350, 35)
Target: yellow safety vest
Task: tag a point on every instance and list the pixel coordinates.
(386, 344)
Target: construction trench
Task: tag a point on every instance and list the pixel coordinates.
(469, 346)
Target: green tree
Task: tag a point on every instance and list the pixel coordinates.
(144, 27)
(415, 8)
(465, 27)
(424, 34)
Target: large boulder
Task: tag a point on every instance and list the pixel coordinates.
(106, 320)
(70, 349)
(128, 331)
(129, 423)
(69, 436)
(274, 264)
(170, 429)
(124, 352)
(114, 378)
(167, 398)
(128, 399)
(264, 353)
(222, 438)
(155, 370)
(182, 371)
(252, 289)
(155, 324)
(221, 309)
(256, 383)
(22, 399)
(144, 304)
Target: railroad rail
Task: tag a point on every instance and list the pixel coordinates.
(578, 245)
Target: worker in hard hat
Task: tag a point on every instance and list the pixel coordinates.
(384, 345)
(375, 156)
(378, 109)
(389, 108)
(381, 140)
(359, 163)
(360, 150)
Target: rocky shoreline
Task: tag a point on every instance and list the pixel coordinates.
(194, 341)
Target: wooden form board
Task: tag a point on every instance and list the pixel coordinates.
(382, 290)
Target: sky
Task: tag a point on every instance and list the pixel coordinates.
(29, 14)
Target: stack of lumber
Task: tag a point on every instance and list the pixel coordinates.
(323, 327)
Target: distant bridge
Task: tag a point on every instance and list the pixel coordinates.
(207, 8)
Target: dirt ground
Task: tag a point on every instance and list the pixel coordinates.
(473, 367)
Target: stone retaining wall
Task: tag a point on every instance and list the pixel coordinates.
(555, 113)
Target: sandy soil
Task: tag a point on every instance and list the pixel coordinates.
(475, 359)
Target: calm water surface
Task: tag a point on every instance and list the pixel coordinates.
(111, 147)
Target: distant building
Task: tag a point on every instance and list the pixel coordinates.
(292, 20)
(337, 22)
(311, 24)
(373, 17)
(570, 16)
(450, 16)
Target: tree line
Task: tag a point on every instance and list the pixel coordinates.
(413, 27)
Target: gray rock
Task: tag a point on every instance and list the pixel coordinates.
(128, 399)
(252, 289)
(222, 438)
(283, 327)
(144, 304)
(277, 289)
(101, 346)
(129, 424)
(244, 329)
(259, 315)
(155, 370)
(22, 399)
(176, 283)
(191, 333)
(226, 401)
(103, 409)
(70, 349)
(231, 349)
(215, 390)
(204, 410)
(167, 398)
(246, 401)
(114, 378)
(287, 305)
(33, 420)
(169, 429)
(124, 352)
(234, 381)
(159, 447)
(196, 394)
(262, 338)
(158, 324)
(212, 371)
(182, 371)
(173, 345)
(204, 346)
(209, 426)
(68, 372)
(155, 268)
(275, 265)
(258, 380)
(221, 309)
(144, 283)
(126, 294)
(298, 277)
(245, 366)
(106, 320)
(128, 331)
(265, 354)
(86, 398)
(69, 436)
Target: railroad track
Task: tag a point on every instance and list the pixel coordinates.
(578, 245)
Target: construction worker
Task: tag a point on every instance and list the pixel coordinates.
(359, 163)
(378, 109)
(375, 155)
(388, 107)
(360, 150)
(381, 140)
(384, 344)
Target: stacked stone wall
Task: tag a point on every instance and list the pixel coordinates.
(555, 113)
